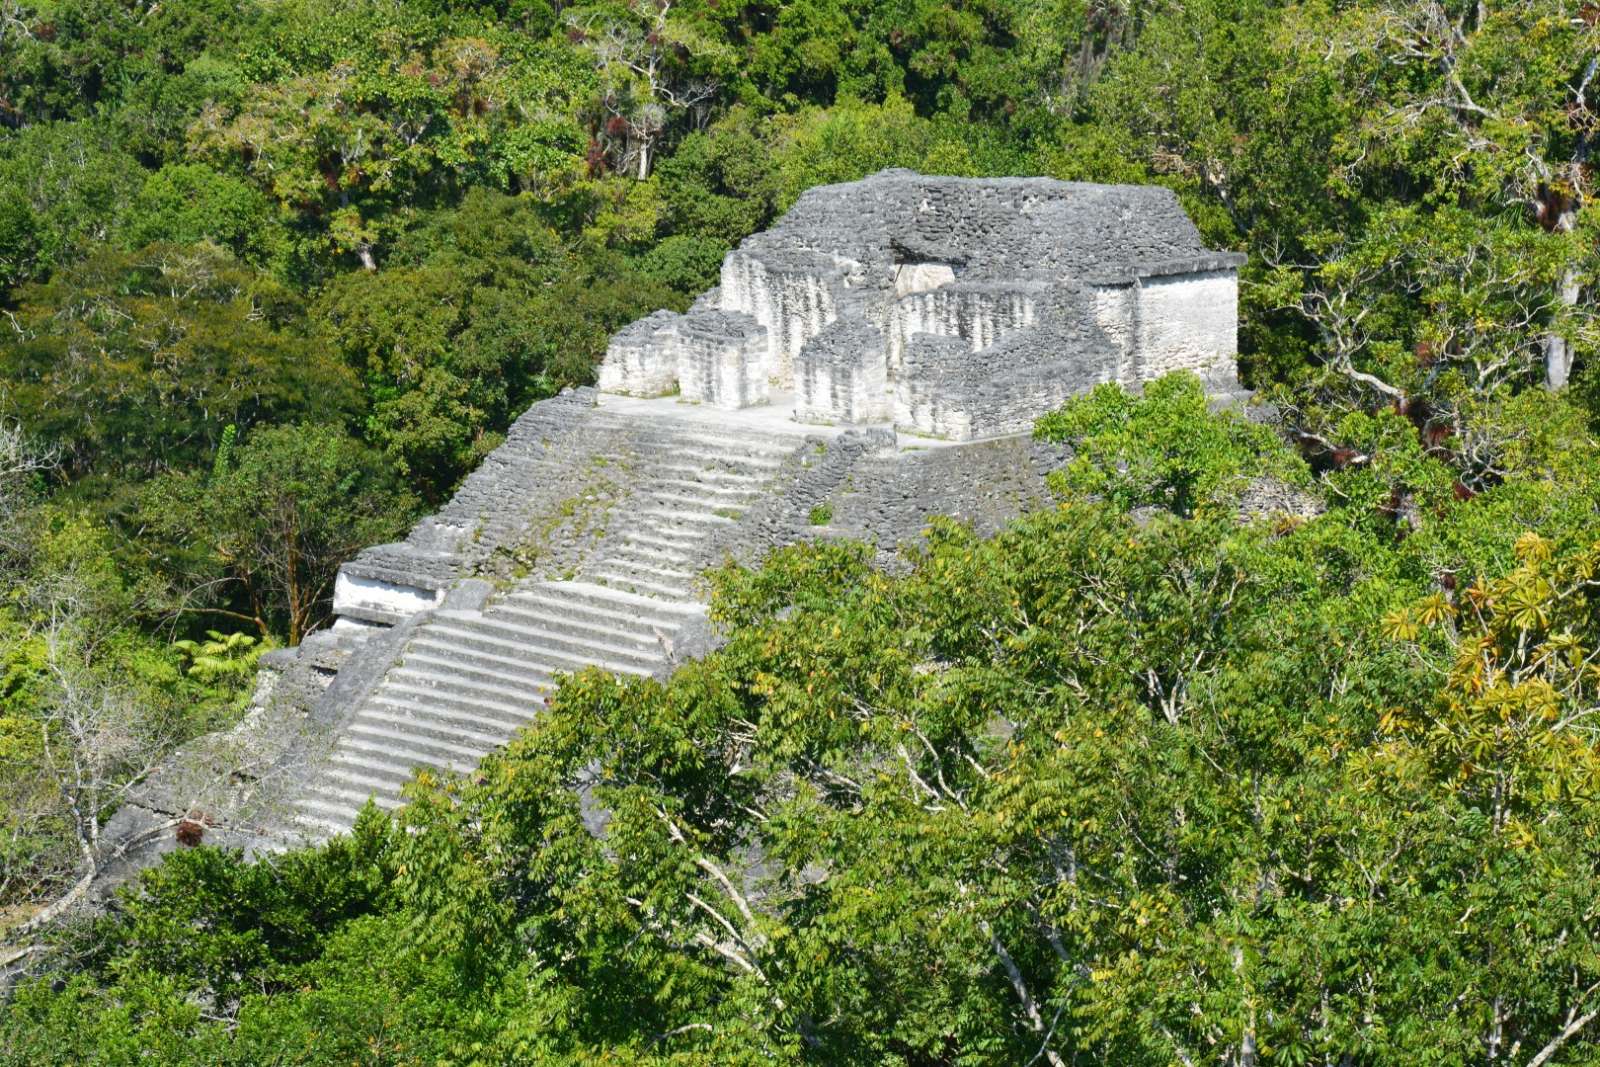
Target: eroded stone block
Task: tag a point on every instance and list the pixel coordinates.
(721, 358)
(841, 375)
(637, 363)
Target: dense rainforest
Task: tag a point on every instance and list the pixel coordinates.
(1138, 781)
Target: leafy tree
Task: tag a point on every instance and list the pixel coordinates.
(275, 523)
(186, 204)
(684, 263)
(67, 186)
(648, 56)
(135, 362)
(1146, 788)
(76, 58)
(88, 704)
(345, 146)
(21, 244)
(481, 311)
(1162, 449)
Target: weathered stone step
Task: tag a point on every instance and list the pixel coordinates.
(675, 500)
(303, 825)
(637, 639)
(737, 493)
(677, 551)
(684, 581)
(314, 813)
(647, 556)
(455, 684)
(381, 794)
(685, 542)
(443, 654)
(622, 579)
(376, 735)
(328, 804)
(492, 713)
(669, 517)
(497, 640)
(383, 779)
(416, 751)
(315, 806)
(492, 717)
(538, 633)
(668, 431)
(576, 595)
(475, 734)
(754, 479)
(695, 459)
(714, 475)
(648, 632)
(672, 577)
(429, 741)
(390, 765)
(331, 794)
(451, 662)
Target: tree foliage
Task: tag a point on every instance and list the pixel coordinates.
(1133, 782)
(262, 535)
(1107, 787)
(134, 362)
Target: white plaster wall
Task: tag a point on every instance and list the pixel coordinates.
(857, 394)
(1113, 309)
(803, 306)
(696, 371)
(814, 395)
(920, 411)
(723, 374)
(868, 399)
(920, 277)
(356, 591)
(1186, 322)
(741, 376)
(744, 288)
(357, 627)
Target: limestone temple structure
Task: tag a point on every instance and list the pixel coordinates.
(871, 361)
(952, 307)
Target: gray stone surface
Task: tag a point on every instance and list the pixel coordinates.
(889, 498)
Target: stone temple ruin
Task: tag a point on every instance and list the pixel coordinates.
(954, 308)
(868, 363)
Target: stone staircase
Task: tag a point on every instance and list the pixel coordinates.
(693, 481)
(467, 680)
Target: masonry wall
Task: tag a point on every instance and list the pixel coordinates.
(721, 358)
(793, 297)
(946, 390)
(979, 315)
(637, 363)
(360, 595)
(841, 375)
(872, 491)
